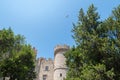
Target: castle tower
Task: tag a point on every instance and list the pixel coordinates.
(60, 67)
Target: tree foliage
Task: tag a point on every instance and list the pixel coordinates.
(97, 52)
(6, 40)
(17, 60)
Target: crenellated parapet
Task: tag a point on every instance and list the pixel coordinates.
(41, 59)
(59, 48)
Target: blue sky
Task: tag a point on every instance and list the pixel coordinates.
(47, 23)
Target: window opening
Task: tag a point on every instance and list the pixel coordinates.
(46, 68)
(60, 74)
(44, 77)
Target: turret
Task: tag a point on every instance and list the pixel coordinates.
(60, 67)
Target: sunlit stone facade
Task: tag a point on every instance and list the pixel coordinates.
(48, 69)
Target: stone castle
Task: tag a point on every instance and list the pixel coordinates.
(48, 69)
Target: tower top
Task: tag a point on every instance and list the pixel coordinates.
(35, 50)
(60, 48)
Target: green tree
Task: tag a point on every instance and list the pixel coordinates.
(97, 51)
(19, 59)
(6, 41)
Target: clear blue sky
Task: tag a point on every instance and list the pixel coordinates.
(46, 23)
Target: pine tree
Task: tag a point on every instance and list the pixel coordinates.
(97, 51)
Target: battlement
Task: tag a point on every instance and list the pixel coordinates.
(35, 50)
(44, 59)
(60, 48)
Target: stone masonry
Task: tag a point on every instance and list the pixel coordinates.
(48, 69)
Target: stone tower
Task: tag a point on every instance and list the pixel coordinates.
(60, 67)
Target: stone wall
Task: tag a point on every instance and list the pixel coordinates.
(45, 69)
